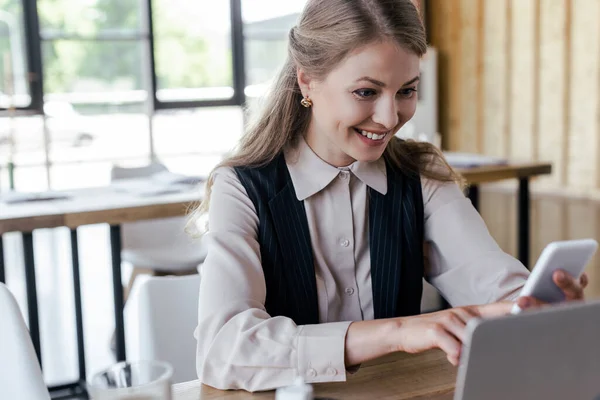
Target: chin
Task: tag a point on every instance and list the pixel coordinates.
(366, 156)
(359, 151)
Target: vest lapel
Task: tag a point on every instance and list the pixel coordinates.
(291, 226)
(385, 242)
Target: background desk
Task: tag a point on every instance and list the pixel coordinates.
(398, 376)
(84, 207)
(521, 171)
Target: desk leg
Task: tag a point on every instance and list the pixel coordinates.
(523, 221)
(78, 307)
(115, 245)
(473, 195)
(2, 275)
(32, 303)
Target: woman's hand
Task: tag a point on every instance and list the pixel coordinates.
(571, 287)
(443, 329)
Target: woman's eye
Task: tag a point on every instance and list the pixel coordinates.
(407, 93)
(365, 93)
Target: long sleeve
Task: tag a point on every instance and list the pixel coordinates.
(240, 346)
(465, 263)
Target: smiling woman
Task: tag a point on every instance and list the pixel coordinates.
(323, 224)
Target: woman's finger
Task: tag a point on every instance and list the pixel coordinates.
(583, 280)
(495, 309)
(527, 302)
(455, 324)
(448, 343)
(569, 285)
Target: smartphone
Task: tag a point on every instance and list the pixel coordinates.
(571, 256)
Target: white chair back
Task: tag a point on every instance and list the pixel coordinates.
(20, 372)
(160, 244)
(160, 318)
(117, 172)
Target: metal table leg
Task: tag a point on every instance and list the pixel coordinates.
(78, 307)
(473, 195)
(115, 245)
(523, 221)
(2, 274)
(32, 304)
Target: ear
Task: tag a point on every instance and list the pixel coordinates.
(304, 81)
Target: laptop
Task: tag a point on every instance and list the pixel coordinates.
(552, 353)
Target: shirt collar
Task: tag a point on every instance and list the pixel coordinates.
(310, 174)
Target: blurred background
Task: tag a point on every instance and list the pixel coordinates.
(89, 84)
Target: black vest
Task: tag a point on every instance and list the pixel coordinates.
(395, 240)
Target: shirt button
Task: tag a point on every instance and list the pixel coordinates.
(311, 373)
(331, 371)
(345, 243)
(349, 291)
(344, 174)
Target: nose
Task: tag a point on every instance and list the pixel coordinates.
(386, 113)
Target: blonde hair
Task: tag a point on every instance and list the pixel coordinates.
(326, 33)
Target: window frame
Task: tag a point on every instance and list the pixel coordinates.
(34, 39)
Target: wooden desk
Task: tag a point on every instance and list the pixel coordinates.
(107, 205)
(399, 376)
(521, 171)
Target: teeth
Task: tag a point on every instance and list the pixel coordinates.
(372, 135)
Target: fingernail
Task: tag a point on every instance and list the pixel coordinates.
(562, 276)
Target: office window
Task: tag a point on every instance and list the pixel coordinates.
(14, 85)
(95, 58)
(22, 144)
(266, 27)
(205, 131)
(192, 50)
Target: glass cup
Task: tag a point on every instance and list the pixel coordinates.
(141, 380)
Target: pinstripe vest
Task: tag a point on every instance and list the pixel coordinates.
(395, 240)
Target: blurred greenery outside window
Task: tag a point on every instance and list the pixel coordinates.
(96, 64)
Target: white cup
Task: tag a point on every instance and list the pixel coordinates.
(140, 380)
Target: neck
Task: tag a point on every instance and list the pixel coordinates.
(325, 149)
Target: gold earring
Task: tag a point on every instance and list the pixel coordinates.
(306, 102)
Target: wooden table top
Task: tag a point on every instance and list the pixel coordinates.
(398, 376)
(491, 173)
(96, 205)
(107, 205)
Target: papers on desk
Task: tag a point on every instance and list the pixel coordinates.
(471, 160)
(170, 178)
(21, 197)
(158, 184)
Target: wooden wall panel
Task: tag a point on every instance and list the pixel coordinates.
(445, 32)
(522, 135)
(584, 82)
(521, 79)
(494, 79)
(552, 90)
(470, 46)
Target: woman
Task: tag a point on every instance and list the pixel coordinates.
(322, 225)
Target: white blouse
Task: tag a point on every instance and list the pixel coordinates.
(241, 347)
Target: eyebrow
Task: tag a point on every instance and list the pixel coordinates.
(381, 84)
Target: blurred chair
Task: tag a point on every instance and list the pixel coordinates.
(20, 373)
(160, 318)
(160, 246)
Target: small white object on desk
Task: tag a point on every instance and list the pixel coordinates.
(26, 197)
(471, 160)
(298, 391)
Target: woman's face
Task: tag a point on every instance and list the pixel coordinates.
(362, 103)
